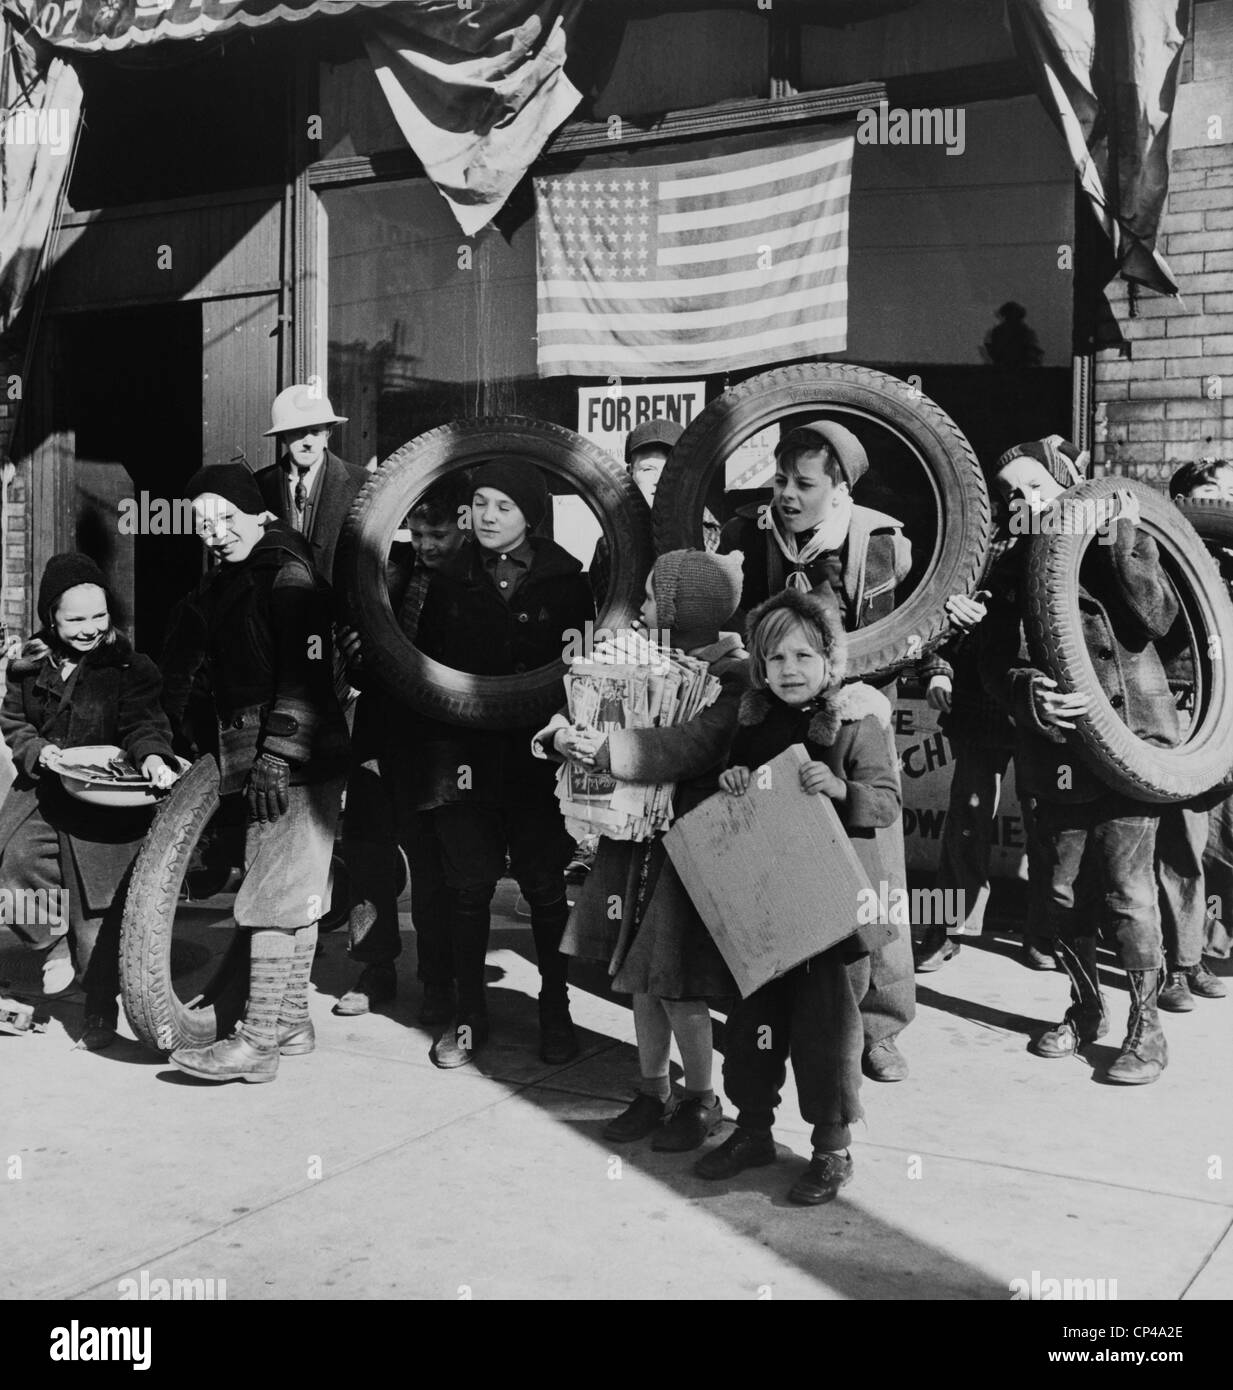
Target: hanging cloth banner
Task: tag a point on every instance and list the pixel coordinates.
(40, 106)
(477, 92)
(1107, 74)
(92, 26)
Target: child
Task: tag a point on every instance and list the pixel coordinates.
(798, 653)
(79, 682)
(381, 813)
(259, 628)
(510, 603)
(1095, 846)
(672, 967)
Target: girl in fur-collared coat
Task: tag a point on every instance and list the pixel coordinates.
(798, 654)
(77, 683)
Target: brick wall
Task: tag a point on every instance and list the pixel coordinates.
(14, 582)
(1170, 400)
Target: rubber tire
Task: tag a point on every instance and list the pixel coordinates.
(482, 702)
(158, 1016)
(1055, 637)
(1211, 517)
(964, 513)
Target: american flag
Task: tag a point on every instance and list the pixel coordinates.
(702, 266)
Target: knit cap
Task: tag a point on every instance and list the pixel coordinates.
(520, 481)
(234, 481)
(1066, 462)
(657, 431)
(853, 460)
(696, 591)
(65, 571)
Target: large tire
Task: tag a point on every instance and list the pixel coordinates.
(1055, 637)
(964, 527)
(483, 702)
(159, 1017)
(1211, 517)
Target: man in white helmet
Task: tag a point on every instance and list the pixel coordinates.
(310, 488)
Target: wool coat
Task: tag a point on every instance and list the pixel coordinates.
(111, 698)
(848, 729)
(467, 625)
(261, 633)
(339, 486)
(657, 943)
(876, 558)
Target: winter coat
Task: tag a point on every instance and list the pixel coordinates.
(850, 731)
(658, 944)
(876, 559)
(338, 487)
(261, 631)
(467, 625)
(1126, 602)
(112, 697)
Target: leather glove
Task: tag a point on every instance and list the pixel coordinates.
(267, 788)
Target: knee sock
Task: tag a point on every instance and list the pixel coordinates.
(690, 1020)
(273, 950)
(294, 1009)
(654, 1035)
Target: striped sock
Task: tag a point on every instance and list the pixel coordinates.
(273, 951)
(295, 1001)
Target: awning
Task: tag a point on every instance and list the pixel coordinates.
(95, 26)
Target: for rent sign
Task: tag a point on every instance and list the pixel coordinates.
(606, 414)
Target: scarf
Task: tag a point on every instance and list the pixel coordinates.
(828, 535)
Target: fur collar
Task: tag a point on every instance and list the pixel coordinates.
(846, 705)
(116, 654)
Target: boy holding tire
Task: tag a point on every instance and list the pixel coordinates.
(259, 626)
(508, 605)
(1095, 845)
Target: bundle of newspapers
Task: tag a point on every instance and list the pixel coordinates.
(627, 682)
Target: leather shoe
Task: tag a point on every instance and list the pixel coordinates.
(236, 1058)
(1204, 984)
(1036, 957)
(933, 951)
(558, 1042)
(98, 1033)
(1068, 1037)
(377, 985)
(821, 1181)
(1175, 997)
(884, 1062)
(296, 1039)
(743, 1148)
(689, 1126)
(438, 1005)
(459, 1043)
(641, 1117)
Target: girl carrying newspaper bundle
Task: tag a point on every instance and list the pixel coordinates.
(634, 911)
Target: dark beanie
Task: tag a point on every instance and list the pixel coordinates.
(657, 431)
(66, 571)
(1066, 462)
(522, 482)
(696, 592)
(234, 481)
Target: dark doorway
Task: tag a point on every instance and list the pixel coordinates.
(133, 383)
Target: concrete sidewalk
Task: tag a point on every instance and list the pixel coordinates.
(363, 1171)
